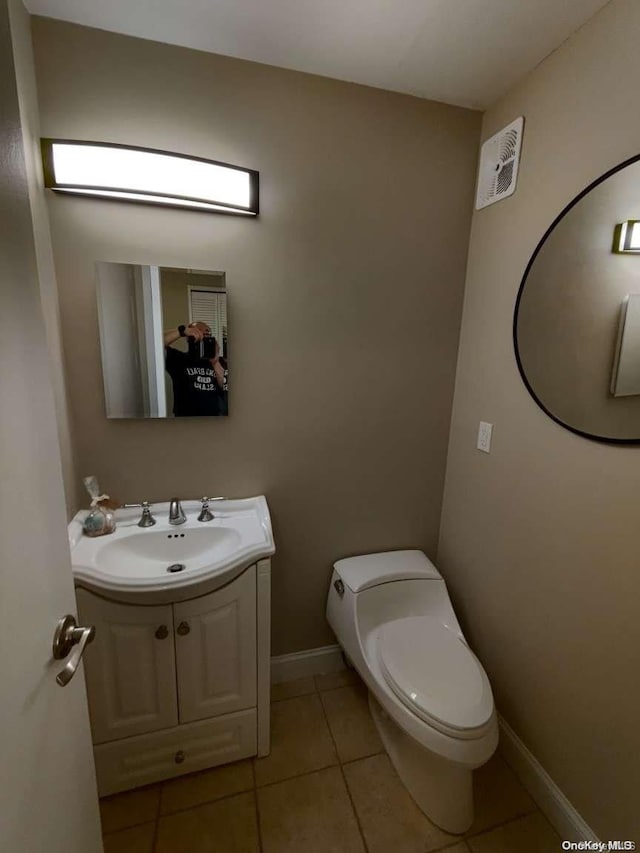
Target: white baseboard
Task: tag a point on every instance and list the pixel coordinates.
(318, 661)
(552, 802)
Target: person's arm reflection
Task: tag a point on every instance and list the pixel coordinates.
(197, 378)
(197, 331)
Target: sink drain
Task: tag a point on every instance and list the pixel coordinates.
(176, 567)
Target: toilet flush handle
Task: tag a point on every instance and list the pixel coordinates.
(338, 585)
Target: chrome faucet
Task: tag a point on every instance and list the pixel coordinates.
(176, 513)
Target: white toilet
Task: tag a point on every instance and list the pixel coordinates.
(429, 696)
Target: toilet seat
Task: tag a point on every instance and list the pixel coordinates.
(435, 674)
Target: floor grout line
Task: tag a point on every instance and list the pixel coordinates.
(459, 840)
(130, 826)
(156, 830)
(297, 696)
(141, 822)
(344, 778)
(254, 787)
(364, 757)
(316, 689)
(513, 819)
(297, 776)
(255, 800)
(353, 807)
(333, 689)
(127, 828)
(206, 802)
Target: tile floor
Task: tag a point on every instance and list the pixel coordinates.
(327, 787)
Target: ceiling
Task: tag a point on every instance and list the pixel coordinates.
(465, 52)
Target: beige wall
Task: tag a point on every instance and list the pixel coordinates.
(539, 540)
(366, 199)
(28, 100)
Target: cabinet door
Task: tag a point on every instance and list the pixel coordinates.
(216, 650)
(130, 668)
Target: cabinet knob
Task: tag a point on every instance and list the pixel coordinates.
(179, 757)
(162, 632)
(183, 628)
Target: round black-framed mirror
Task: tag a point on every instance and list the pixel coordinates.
(576, 326)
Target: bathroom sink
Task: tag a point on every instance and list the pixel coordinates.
(150, 553)
(164, 563)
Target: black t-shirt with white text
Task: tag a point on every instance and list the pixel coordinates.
(195, 390)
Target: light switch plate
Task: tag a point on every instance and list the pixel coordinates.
(484, 437)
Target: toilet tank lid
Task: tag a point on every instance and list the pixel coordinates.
(372, 569)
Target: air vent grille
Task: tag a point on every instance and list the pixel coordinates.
(498, 169)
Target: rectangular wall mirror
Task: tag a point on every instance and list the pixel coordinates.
(164, 343)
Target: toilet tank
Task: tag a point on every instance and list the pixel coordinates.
(360, 573)
(372, 589)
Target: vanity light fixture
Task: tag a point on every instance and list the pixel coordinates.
(147, 176)
(626, 237)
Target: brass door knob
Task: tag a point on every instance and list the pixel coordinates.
(183, 629)
(162, 632)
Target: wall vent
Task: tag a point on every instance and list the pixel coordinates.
(498, 169)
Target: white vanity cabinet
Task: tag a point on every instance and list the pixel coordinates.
(179, 687)
(216, 651)
(130, 668)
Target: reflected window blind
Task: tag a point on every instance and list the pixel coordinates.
(210, 307)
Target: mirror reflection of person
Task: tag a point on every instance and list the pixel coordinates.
(198, 383)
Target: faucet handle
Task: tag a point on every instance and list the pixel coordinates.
(205, 512)
(146, 520)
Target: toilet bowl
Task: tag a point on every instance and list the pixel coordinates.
(429, 696)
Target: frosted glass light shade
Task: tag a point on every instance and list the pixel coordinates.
(626, 236)
(118, 172)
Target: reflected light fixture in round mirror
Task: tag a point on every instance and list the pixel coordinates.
(626, 237)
